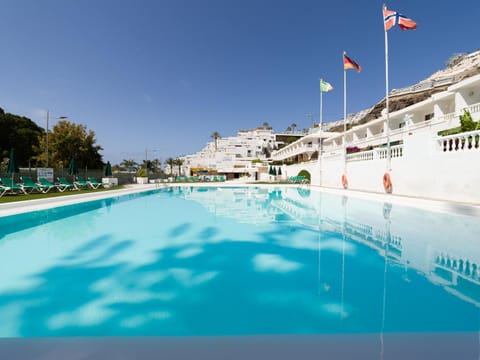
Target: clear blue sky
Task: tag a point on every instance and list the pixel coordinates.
(163, 75)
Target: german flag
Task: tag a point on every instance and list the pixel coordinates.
(350, 64)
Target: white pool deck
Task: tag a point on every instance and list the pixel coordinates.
(20, 207)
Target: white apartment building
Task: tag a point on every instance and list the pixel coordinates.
(234, 156)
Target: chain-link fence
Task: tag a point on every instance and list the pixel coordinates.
(124, 177)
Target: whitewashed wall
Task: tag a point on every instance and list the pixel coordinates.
(419, 167)
(424, 170)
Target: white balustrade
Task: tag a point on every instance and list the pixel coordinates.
(396, 151)
(375, 154)
(467, 141)
(473, 108)
(461, 266)
(361, 156)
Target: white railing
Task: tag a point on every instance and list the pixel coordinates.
(332, 155)
(460, 265)
(330, 145)
(375, 140)
(473, 108)
(466, 141)
(297, 149)
(422, 86)
(361, 156)
(375, 154)
(447, 118)
(395, 151)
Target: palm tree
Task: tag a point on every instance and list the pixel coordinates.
(266, 124)
(156, 165)
(293, 126)
(179, 162)
(129, 164)
(148, 165)
(215, 136)
(288, 129)
(170, 162)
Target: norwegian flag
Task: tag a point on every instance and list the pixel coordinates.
(392, 18)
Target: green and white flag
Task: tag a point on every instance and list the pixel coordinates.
(325, 87)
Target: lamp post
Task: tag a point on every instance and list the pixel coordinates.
(46, 131)
(146, 156)
(310, 115)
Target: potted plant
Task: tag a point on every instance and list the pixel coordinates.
(142, 176)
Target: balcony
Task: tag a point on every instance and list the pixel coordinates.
(376, 154)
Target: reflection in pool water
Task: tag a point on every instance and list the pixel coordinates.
(238, 261)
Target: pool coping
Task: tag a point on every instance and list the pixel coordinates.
(444, 206)
(392, 346)
(15, 208)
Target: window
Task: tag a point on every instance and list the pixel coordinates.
(428, 116)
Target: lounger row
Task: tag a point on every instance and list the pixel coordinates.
(298, 180)
(200, 178)
(27, 185)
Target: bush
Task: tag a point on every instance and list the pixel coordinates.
(142, 172)
(305, 174)
(450, 132)
(466, 122)
(352, 149)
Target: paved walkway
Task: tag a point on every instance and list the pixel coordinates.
(428, 204)
(19, 207)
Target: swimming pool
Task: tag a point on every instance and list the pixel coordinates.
(206, 261)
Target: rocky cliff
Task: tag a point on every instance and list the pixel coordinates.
(459, 67)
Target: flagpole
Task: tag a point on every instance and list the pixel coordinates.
(320, 152)
(344, 118)
(389, 154)
(321, 105)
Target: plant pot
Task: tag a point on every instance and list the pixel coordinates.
(109, 182)
(142, 180)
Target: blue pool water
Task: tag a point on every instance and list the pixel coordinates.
(237, 261)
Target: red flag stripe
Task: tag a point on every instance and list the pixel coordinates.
(350, 64)
(392, 18)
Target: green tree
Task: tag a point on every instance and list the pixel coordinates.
(156, 165)
(148, 165)
(68, 140)
(215, 136)
(290, 139)
(22, 134)
(179, 162)
(304, 173)
(129, 165)
(171, 163)
(467, 123)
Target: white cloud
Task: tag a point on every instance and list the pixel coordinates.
(275, 263)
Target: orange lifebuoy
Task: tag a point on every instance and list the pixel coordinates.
(387, 182)
(344, 181)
